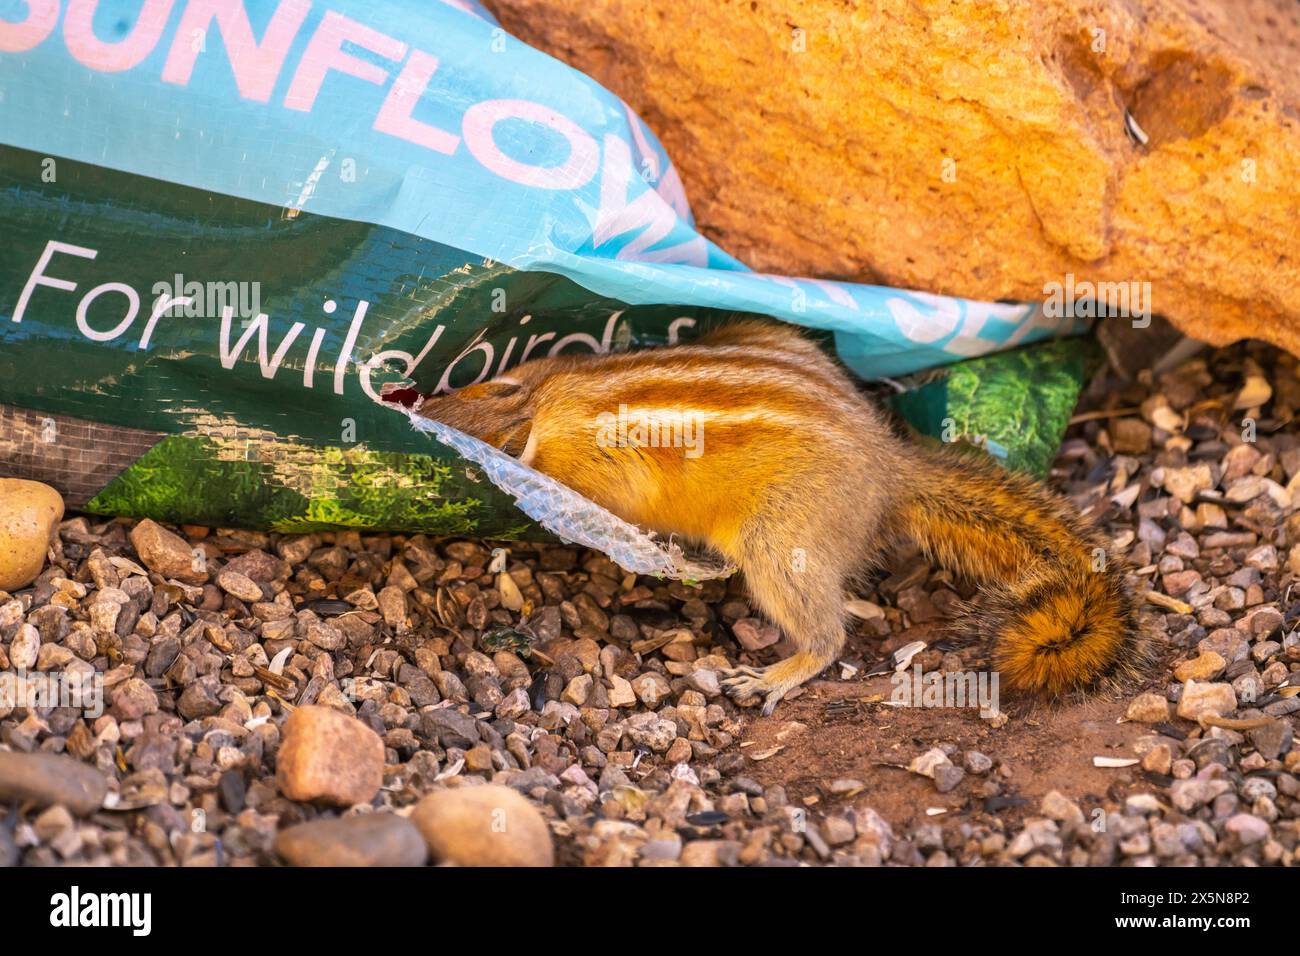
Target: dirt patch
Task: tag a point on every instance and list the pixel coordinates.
(849, 734)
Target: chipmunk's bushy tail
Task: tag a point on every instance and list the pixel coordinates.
(1054, 606)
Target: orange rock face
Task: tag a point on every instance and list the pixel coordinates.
(977, 148)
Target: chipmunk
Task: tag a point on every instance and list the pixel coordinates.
(802, 483)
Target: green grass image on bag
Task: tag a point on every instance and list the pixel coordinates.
(1016, 405)
(290, 488)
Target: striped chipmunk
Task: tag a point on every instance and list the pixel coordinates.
(787, 459)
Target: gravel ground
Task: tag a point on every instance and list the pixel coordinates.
(392, 699)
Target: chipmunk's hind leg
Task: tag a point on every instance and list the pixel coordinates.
(774, 681)
(800, 589)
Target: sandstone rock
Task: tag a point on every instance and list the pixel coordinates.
(326, 636)
(1039, 833)
(1178, 583)
(239, 585)
(976, 762)
(1273, 739)
(874, 829)
(50, 823)
(1203, 698)
(514, 704)
(1057, 806)
(1159, 759)
(484, 826)
(679, 751)
(133, 699)
(372, 839)
(1148, 708)
(705, 681)
(29, 513)
(710, 853)
(1239, 461)
(450, 727)
(651, 731)
(167, 553)
(1184, 483)
(975, 149)
(926, 763)
(1131, 436)
(578, 689)
(1247, 828)
(754, 635)
(947, 777)
(1187, 795)
(24, 648)
(650, 688)
(260, 566)
(838, 830)
(50, 779)
(199, 700)
(620, 692)
(1205, 667)
(329, 757)
(392, 604)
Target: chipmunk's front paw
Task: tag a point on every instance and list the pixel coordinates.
(740, 683)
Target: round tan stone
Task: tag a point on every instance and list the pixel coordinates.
(484, 826)
(29, 514)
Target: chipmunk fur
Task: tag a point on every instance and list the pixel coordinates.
(802, 482)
